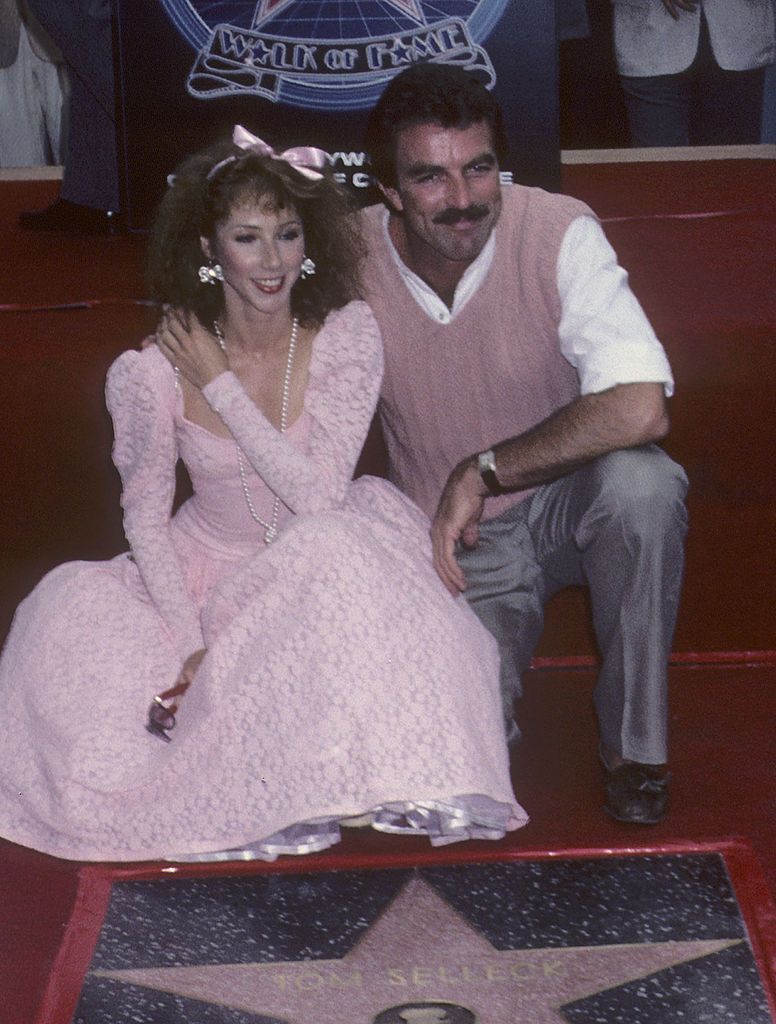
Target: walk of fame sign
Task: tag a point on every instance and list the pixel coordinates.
(422, 962)
(306, 72)
(292, 51)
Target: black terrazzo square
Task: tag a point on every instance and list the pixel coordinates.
(656, 939)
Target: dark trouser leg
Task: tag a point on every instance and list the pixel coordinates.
(728, 104)
(736, 119)
(82, 31)
(702, 106)
(659, 109)
(620, 523)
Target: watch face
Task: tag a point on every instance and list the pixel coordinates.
(486, 463)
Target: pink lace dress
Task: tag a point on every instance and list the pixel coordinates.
(340, 680)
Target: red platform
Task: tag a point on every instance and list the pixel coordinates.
(700, 244)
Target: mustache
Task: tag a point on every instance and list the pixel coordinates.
(473, 213)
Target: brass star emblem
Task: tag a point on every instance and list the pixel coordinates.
(422, 950)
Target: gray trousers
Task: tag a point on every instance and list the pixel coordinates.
(616, 525)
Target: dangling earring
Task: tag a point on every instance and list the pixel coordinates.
(308, 268)
(210, 273)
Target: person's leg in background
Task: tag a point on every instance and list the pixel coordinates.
(89, 197)
(659, 108)
(728, 104)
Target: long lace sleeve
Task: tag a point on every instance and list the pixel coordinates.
(345, 374)
(140, 395)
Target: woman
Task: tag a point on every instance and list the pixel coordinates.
(333, 677)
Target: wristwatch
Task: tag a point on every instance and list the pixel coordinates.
(486, 464)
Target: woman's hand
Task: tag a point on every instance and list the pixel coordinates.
(190, 347)
(164, 707)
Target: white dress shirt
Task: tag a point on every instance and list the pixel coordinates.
(603, 331)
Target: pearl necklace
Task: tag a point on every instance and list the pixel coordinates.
(271, 527)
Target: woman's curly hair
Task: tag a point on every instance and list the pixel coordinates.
(194, 205)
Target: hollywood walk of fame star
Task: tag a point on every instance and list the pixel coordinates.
(421, 949)
(268, 8)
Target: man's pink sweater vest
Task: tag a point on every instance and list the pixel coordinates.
(454, 389)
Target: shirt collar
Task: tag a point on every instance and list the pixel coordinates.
(425, 296)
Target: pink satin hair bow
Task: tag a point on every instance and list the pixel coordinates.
(305, 159)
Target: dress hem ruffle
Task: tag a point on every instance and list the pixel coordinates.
(442, 822)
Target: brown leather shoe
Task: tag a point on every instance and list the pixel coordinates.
(636, 793)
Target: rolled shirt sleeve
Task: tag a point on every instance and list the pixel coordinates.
(604, 333)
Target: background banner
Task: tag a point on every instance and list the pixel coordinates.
(308, 72)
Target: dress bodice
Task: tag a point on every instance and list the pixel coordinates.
(218, 511)
(310, 467)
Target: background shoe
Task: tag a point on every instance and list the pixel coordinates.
(636, 793)
(70, 218)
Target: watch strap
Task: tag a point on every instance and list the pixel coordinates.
(486, 464)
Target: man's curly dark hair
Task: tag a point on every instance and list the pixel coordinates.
(194, 205)
(429, 93)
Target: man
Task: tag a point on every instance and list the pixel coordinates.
(523, 391)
